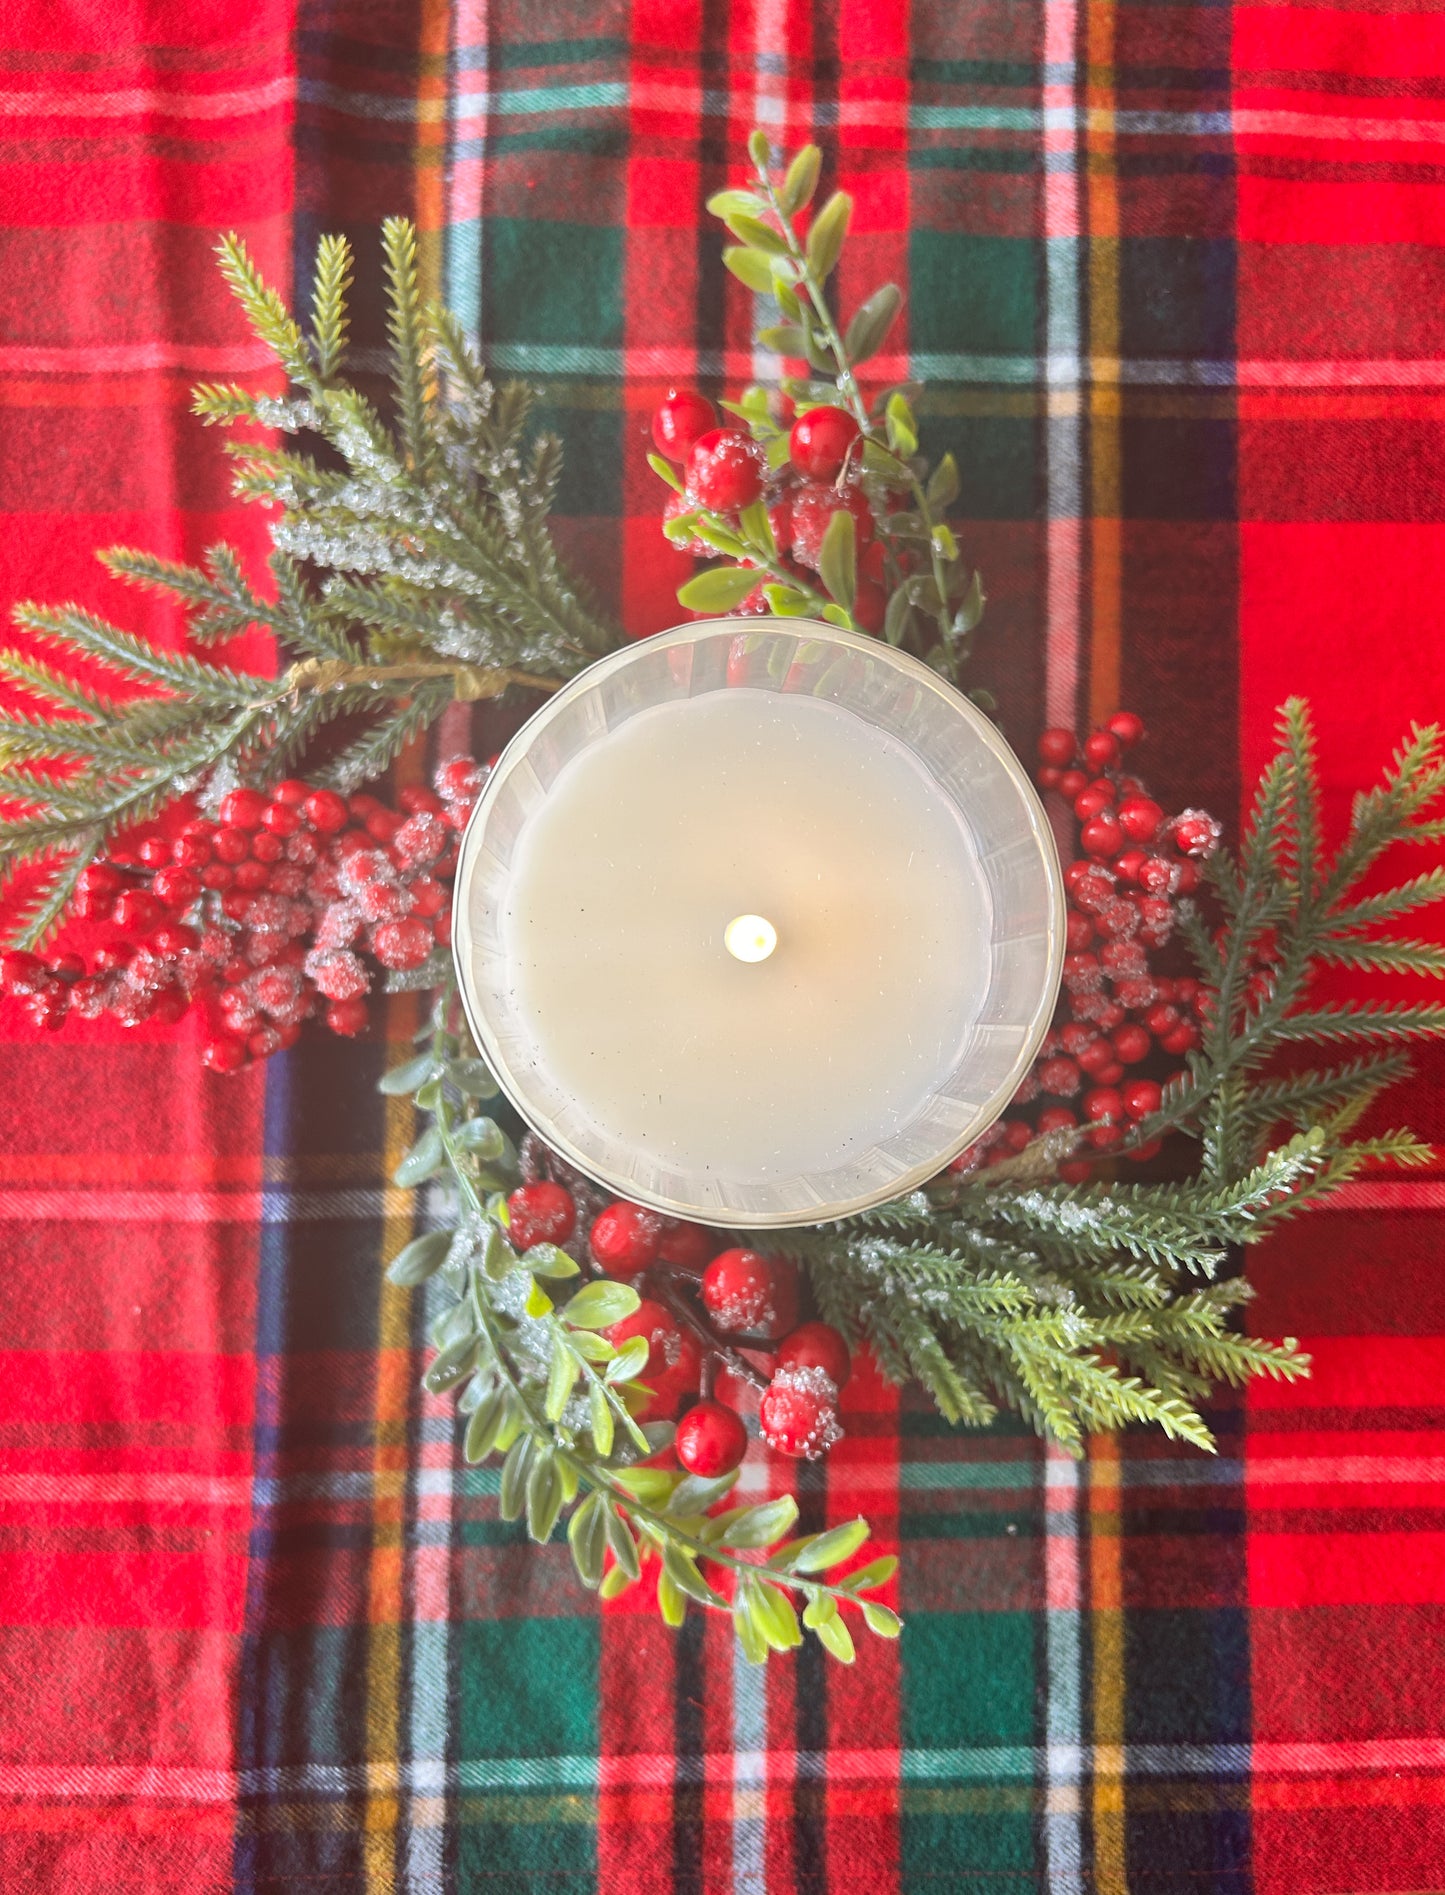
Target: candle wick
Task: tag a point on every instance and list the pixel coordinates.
(750, 937)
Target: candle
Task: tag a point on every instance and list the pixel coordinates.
(732, 917)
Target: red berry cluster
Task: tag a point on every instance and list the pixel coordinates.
(260, 914)
(1121, 1026)
(725, 470)
(717, 1319)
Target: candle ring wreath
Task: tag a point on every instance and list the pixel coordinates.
(157, 819)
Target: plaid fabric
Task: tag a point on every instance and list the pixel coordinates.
(1175, 283)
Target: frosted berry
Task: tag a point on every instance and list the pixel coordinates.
(674, 1360)
(814, 506)
(625, 1239)
(1060, 1076)
(724, 471)
(542, 1213)
(680, 419)
(817, 1346)
(22, 973)
(821, 441)
(738, 1292)
(798, 1414)
(710, 1440)
(1195, 833)
(458, 780)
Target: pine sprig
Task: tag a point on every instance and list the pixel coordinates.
(413, 568)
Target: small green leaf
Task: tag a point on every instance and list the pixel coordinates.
(728, 203)
(630, 1360)
(750, 267)
(587, 1537)
(758, 149)
(407, 1077)
(482, 1137)
(821, 1607)
(483, 1426)
(880, 1620)
(834, 1637)
(670, 1602)
(762, 1525)
(513, 1485)
(757, 528)
(871, 322)
(615, 1582)
(970, 610)
(562, 1376)
(474, 1078)
(682, 1569)
(773, 1614)
(450, 1366)
(876, 1573)
(943, 484)
(902, 428)
(720, 538)
(665, 471)
(757, 235)
(548, 1261)
(895, 619)
(620, 1542)
(788, 300)
(600, 1419)
(825, 238)
(423, 1161)
(599, 1305)
(750, 1637)
(544, 1497)
(944, 544)
(839, 615)
(651, 1485)
(421, 1259)
(801, 180)
(786, 601)
(832, 1548)
(776, 451)
(538, 1303)
(838, 558)
(453, 1324)
(498, 1257)
(985, 700)
(592, 1348)
(719, 590)
(697, 1493)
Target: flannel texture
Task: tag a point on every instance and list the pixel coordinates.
(1174, 280)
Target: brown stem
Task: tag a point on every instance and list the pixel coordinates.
(660, 1281)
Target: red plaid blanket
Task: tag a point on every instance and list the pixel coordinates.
(1175, 281)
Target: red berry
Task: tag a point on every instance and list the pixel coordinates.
(177, 888)
(243, 809)
(1058, 747)
(724, 470)
(1094, 1057)
(821, 441)
(1140, 1154)
(798, 1414)
(680, 419)
(155, 851)
(1162, 1019)
(1078, 932)
(1141, 1097)
(428, 897)
(1187, 877)
(136, 911)
(66, 967)
(1131, 1044)
(1128, 863)
(100, 879)
(710, 1440)
(404, 943)
(416, 797)
(542, 1213)
(1127, 728)
(291, 792)
(266, 847)
(1056, 1118)
(347, 1017)
(738, 1292)
(1101, 749)
(1183, 1039)
(686, 1246)
(252, 877)
(817, 1346)
(869, 607)
(1071, 782)
(282, 819)
(231, 845)
(382, 825)
(1105, 1137)
(625, 1238)
(1093, 801)
(1075, 1036)
(674, 1360)
(1047, 776)
(1101, 836)
(224, 1054)
(191, 852)
(326, 811)
(1140, 817)
(1075, 1171)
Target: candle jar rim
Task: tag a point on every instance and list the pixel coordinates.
(704, 1206)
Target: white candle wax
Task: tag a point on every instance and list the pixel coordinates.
(645, 985)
